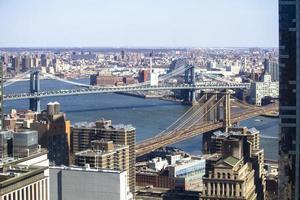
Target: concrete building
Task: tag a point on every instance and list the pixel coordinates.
(188, 174)
(105, 155)
(87, 183)
(26, 177)
(23, 182)
(5, 144)
(289, 100)
(243, 144)
(20, 119)
(175, 172)
(25, 143)
(54, 133)
(265, 88)
(230, 178)
(83, 134)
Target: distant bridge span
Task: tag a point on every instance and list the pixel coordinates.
(97, 90)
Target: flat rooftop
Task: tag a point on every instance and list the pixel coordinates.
(14, 173)
(88, 125)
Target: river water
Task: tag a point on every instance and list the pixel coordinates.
(149, 116)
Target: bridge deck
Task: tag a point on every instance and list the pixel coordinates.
(180, 135)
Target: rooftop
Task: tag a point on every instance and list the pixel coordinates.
(86, 169)
(15, 173)
(231, 160)
(87, 125)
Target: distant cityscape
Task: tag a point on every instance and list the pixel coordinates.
(152, 123)
(146, 168)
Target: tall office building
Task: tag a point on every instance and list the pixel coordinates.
(54, 133)
(289, 99)
(272, 67)
(84, 134)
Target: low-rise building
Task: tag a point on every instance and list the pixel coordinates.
(175, 172)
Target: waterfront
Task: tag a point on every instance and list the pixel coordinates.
(149, 116)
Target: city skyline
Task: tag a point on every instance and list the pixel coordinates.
(139, 24)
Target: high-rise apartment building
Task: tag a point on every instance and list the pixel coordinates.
(105, 155)
(289, 99)
(84, 134)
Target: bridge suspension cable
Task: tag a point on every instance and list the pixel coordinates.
(65, 80)
(16, 78)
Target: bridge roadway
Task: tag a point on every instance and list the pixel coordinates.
(96, 90)
(180, 135)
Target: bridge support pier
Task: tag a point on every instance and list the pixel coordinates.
(35, 103)
(190, 78)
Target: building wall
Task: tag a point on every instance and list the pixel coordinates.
(144, 179)
(38, 190)
(68, 184)
(289, 108)
(237, 183)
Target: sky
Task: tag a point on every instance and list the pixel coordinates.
(139, 23)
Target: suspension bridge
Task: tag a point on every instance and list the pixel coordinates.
(212, 111)
(189, 86)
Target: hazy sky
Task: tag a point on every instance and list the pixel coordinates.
(138, 23)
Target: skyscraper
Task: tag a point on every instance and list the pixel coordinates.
(1, 95)
(16, 63)
(289, 64)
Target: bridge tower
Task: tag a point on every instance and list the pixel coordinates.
(34, 103)
(190, 78)
(226, 111)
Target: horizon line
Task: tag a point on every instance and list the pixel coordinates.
(136, 47)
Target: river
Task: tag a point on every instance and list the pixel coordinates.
(149, 116)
